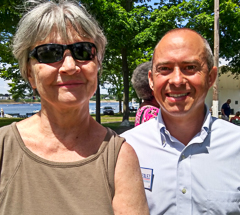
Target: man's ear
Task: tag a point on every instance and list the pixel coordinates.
(150, 79)
(31, 77)
(212, 76)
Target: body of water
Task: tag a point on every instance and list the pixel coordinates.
(23, 109)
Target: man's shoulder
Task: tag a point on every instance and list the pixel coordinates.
(221, 127)
(141, 129)
(224, 105)
(144, 135)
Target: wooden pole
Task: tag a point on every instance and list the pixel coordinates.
(216, 57)
(98, 103)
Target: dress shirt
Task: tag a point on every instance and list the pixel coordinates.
(200, 178)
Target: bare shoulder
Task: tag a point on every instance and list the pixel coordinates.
(26, 124)
(129, 191)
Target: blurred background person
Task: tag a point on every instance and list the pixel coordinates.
(61, 161)
(236, 119)
(2, 112)
(226, 110)
(149, 108)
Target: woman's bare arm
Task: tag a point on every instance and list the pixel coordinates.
(129, 196)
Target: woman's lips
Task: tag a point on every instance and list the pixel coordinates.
(70, 84)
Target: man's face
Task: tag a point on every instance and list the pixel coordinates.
(180, 78)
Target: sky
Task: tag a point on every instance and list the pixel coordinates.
(3, 86)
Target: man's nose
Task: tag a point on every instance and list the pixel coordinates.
(177, 78)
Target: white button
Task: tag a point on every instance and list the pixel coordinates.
(183, 156)
(184, 190)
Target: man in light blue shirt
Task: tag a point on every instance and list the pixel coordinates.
(190, 161)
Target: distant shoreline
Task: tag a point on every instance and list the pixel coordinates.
(11, 102)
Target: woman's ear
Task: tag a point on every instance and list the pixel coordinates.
(31, 77)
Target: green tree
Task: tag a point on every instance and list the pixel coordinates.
(9, 68)
(132, 32)
(133, 28)
(200, 17)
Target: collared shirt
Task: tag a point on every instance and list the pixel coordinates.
(200, 178)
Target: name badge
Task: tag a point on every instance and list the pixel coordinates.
(147, 175)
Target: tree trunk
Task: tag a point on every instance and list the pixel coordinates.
(125, 84)
(120, 105)
(98, 98)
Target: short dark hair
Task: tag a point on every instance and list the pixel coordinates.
(140, 81)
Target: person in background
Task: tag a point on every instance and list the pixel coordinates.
(189, 159)
(226, 110)
(236, 119)
(2, 113)
(61, 161)
(149, 107)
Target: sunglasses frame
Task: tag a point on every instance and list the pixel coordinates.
(34, 52)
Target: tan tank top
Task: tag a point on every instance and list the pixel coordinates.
(31, 185)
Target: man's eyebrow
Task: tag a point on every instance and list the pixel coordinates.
(182, 62)
(190, 61)
(164, 63)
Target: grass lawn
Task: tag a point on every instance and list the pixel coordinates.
(111, 121)
(7, 121)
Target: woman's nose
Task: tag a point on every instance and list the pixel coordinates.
(69, 64)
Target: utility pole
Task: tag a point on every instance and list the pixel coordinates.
(216, 57)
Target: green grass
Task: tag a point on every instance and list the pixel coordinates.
(114, 118)
(7, 121)
(111, 121)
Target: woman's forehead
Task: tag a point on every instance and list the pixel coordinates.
(72, 37)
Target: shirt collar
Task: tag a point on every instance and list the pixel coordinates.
(199, 137)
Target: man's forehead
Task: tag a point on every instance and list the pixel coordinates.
(175, 42)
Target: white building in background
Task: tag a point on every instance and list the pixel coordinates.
(228, 88)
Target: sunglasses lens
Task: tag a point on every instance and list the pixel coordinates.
(50, 53)
(84, 51)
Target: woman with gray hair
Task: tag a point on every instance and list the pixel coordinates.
(61, 161)
(149, 108)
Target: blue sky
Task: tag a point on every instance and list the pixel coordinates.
(3, 86)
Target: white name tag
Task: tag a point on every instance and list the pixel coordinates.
(147, 175)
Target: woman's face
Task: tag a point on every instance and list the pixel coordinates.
(65, 83)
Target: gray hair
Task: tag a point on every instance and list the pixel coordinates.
(140, 81)
(208, 54)
(43, 17)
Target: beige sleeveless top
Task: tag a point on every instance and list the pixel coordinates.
(31, 185)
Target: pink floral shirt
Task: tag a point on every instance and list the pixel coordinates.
(145, 113)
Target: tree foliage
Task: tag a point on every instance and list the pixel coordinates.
(9, 68)
(133, 28)
(200, 17)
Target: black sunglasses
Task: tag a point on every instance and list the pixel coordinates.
(50, 53)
